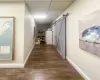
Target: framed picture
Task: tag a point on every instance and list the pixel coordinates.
(89, 33)
(7, 38)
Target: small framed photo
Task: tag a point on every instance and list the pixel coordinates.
(7, 38)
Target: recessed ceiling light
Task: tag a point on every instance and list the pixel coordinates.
(40, 16)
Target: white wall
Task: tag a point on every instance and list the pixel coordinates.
(24, 32)
(29, 39)
(44, 27)
(88, 63)
(16, 10)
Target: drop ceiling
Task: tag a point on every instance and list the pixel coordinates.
(53, 8)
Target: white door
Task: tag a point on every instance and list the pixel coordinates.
(48, 37)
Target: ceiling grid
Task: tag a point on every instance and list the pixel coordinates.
(53, 8)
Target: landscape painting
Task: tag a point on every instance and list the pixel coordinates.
(89, 33)
(6, 38)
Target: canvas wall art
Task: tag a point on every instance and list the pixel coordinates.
(7, 38)
(89, 33)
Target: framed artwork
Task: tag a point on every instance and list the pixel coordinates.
(89, 33)
(7, 36)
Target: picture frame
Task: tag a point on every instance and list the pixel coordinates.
(7, 38)
(89, 33)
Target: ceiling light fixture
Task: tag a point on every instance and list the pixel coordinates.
(40, 16)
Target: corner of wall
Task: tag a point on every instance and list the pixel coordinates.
(78, 69)
(28, 56)
(28, 34)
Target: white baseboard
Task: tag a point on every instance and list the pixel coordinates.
(78, 69)
(28, 55)
(11, 65)
(16, 65)
(59, 52)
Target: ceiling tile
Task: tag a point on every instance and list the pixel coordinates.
(38, 6)
(42, 6)
(53, 14)
(62, 0)
(38, 0)
(50, 18)
(11, 0)
(59, 6)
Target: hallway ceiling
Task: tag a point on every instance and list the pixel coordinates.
(52, 8)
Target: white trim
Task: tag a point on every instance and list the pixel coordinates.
(12, 65)
(59, 52)
(16, 65)
(78, 69)
(28, 55)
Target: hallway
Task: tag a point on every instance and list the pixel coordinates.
(44, 63)
(65, 26)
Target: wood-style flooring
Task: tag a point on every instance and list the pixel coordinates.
(44, 63)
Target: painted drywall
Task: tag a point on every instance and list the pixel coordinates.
(43, 27)
(24, 32)
(29, 39)
(88, 63)
(53, 31)
(16, 10)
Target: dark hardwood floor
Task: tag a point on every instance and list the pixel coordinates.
(44, 63)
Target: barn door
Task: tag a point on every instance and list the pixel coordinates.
(60, 36)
